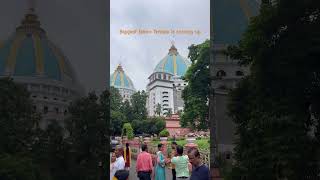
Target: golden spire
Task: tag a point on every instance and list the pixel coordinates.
(32, 5)
(119, 68)
(173, 49)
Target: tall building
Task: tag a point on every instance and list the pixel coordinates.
(123, 83)
(226, 71)
(31, 59)
(165, 84)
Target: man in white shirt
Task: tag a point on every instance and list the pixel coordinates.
(119, 163)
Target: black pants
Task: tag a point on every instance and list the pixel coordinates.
(173, 174)
(144, 175)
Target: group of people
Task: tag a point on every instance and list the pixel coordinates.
(120, 163)
(184, 166)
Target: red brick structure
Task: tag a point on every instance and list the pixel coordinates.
(173, 126)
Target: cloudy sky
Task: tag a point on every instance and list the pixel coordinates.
(78, 27)
(139, 54)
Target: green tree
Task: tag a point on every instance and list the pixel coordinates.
(115, 99)
(18, 168)
(138, 103)
(169, 112)
(196, 93)
(156, 125)
(127, 131)
(117, 110)
(271, 107)
(18, 119)
(88, 135)
(127, 111)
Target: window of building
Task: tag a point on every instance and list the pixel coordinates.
(228, 155)
(159, 76)
(45, 97)
(164, 77)
(221, 73)
(45, 109)
(239, 73)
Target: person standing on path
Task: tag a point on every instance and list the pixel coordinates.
(200, 171)
(160, 172)
(173, 154)
(113, 160)
(144, 164)
(119, 164)
(127, 156)
(181, 164)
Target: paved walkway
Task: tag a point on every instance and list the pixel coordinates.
(133, 174)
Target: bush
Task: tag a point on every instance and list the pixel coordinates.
(128, 131)
(164, 133)
(198, 138)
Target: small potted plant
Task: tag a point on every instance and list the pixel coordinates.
(164, 134)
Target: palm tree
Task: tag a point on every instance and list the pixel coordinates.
(169, 112)
(158, 109)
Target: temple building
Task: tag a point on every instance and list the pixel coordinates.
(226, 71)
(165, 84)
(123, 83)
(174, 127)
(31, 59)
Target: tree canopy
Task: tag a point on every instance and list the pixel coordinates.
(196, 93)
(276, 106)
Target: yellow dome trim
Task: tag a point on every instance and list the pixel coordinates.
(174, 64)
(11, 61)
(38, 54)
(114, 77)
(164, 63)
(121, 78)
(61, 60)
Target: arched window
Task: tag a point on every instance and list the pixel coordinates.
(45, 109)
(221, 73)
(239, 73)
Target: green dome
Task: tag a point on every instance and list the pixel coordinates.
(30, 53)
(173, 63)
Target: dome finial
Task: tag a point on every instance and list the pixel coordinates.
(173, 49)
(119, 68)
